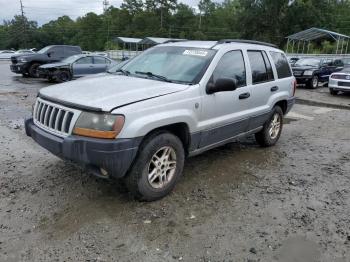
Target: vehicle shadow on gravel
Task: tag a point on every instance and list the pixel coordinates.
(207, 179)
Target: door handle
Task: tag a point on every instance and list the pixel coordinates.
(274, 88)
(244, 96)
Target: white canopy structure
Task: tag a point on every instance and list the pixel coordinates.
(300, 42)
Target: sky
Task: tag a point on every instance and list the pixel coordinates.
(43, 11)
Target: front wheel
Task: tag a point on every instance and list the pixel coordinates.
(272, 129)
(33, 70)
(157, 168)
(63, 76)
(314, 82)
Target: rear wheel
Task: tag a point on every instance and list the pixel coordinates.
(333, 92)
(64, 76)
(33, 70)
(157, 167)
(314, 82)
(272, 129)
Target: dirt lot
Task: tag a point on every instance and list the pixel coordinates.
(235, 203)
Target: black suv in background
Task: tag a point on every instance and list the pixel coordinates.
(27, 64)
(313, 70)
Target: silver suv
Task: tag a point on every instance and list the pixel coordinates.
(142, 119)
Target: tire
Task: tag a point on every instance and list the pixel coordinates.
(153, 158)
(268, 137)
(33, 70)
(333, 92)
(25, 75)
(314, 82)
(63, 76)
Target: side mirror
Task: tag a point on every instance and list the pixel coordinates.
(221, 85)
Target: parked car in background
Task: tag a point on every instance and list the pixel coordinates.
(312, 71)
(100, 53)
(140, 122)
(75, 66)
(28, 64)
(6, 54)
(24, 51)
(340, 81)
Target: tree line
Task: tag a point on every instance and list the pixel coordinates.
(264, 20)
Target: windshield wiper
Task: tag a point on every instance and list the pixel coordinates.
(124, 72)
(150, 74)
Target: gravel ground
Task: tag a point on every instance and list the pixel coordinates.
(239, 202)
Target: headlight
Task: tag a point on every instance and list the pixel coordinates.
(23, 60)
(99, 125)
(308, 73)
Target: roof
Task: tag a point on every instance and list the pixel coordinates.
(158, 40)
(316, 33)
(196, 44)
(128, 40)
(219, 44)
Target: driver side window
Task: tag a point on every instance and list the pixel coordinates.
(231, 65)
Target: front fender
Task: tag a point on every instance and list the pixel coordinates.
(144, 125)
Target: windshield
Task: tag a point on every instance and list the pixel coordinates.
(169, 63)
(308, 62)
(44, 50)
(346, 62)
(70, 59)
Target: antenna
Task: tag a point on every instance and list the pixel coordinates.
(105, 5)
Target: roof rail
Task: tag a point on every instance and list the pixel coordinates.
(225, 41)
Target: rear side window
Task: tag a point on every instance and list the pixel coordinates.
(231, 65)
(71, 50)
(261, 69)
(281, 63)
(100, 60)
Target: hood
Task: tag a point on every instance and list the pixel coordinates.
(58, 64)
(302, 68)
(32, 56)
(106, 92)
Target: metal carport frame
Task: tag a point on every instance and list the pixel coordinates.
(305, 37)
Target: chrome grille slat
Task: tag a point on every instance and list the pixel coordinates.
(48, 111)
(42, 114)
(56, 119)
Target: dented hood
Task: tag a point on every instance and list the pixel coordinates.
(105, 92)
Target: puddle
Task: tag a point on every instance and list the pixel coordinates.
(287, 121)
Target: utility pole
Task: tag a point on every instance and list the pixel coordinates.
(23, 24)
(105, 5)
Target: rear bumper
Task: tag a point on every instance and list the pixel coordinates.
(115, 156)
(290, 104)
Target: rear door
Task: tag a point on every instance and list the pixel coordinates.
(226, 114)
(83, 66)
(100, 64)
(263, 86)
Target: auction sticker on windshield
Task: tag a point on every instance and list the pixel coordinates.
(196, 52)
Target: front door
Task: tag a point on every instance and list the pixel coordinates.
(224, 115)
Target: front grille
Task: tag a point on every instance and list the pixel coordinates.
(297, 73)
(14, 60)
(55, 118)
(340, 76)
(344, 84)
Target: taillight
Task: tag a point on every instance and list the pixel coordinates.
(294, 86)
